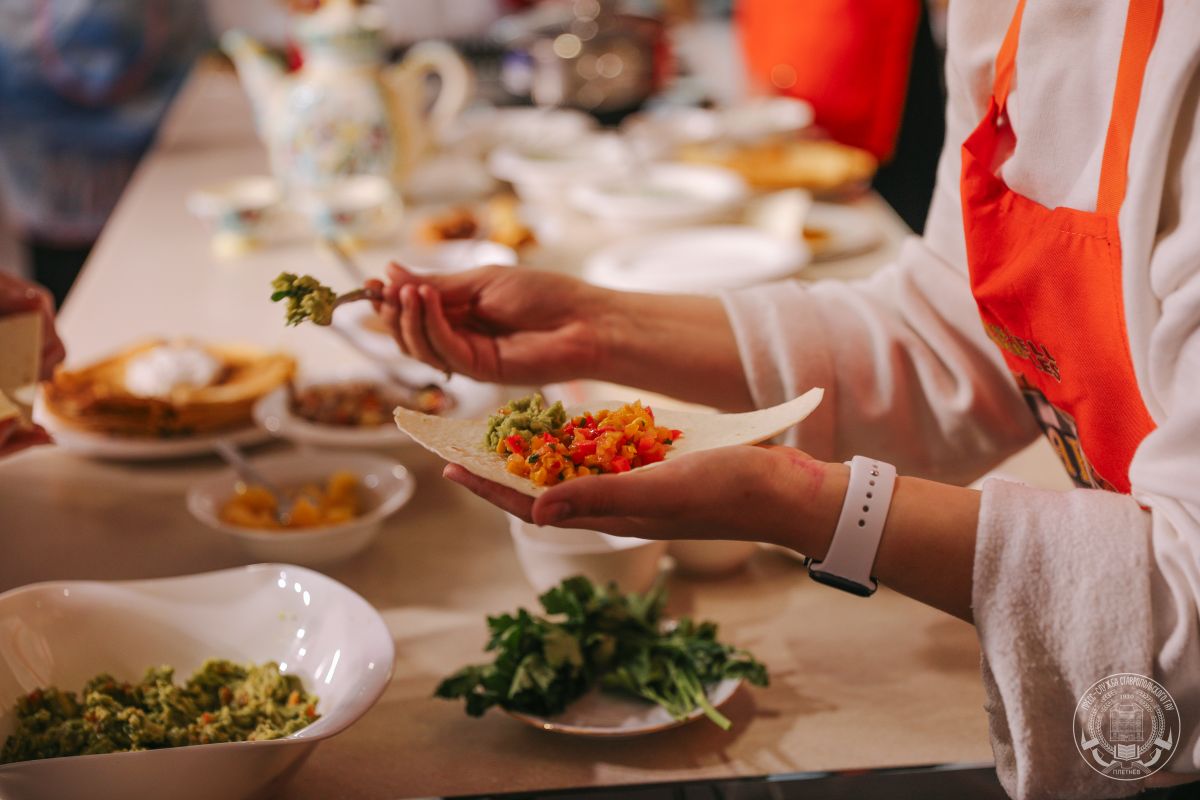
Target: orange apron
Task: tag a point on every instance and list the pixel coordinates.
(1048, 280)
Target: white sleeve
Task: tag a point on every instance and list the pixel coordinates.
(1072, 587)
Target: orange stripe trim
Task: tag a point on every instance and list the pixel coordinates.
(1006, 58)
(1141, 29)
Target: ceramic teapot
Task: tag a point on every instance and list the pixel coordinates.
(344, 111)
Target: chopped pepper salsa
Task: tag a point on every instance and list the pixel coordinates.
(547, 447)
(222, 702)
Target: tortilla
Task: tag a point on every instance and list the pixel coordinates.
(8, 409)
(20, 358)
(460, 441)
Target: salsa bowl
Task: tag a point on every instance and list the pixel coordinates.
(65, 632)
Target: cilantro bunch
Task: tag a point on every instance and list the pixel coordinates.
(597, 635)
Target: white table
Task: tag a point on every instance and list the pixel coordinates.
(855, 683)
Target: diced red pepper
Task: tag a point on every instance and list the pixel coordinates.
(516, 444)
(621, 464)
(581, 450)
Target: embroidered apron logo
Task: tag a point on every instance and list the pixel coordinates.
(1025, 349)
(1126, 726)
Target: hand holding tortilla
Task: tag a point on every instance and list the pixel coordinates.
(474, 444)
(761, 494)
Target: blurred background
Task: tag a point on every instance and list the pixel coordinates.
(84, 84)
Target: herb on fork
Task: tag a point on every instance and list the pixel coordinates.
(597, 635)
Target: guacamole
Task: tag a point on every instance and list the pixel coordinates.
(526, 417)
(307, 298)
(222, 702)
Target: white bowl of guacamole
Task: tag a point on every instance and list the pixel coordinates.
(67, 633)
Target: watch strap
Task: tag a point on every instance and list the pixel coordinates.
(850, 560)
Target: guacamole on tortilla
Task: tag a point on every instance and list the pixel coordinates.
(222, 702)
(527, 417)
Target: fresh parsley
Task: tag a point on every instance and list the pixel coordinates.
(596, 635)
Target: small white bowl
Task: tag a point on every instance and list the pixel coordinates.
(695, 260)
(663, 129)
(66, 632)
(356, 206)
(448, 178)
(543, 174)
(481, 130)
(764, 118)
(388, 487)
(663, 195)
(240, 211)
(710, 557)
(455, 256)
(550, 555)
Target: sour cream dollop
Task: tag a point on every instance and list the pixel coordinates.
(162, 370)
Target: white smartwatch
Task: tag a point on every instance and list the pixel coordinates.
(851, 557)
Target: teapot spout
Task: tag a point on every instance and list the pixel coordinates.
(260, 72)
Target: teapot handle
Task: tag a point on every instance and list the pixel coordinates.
(441, 59)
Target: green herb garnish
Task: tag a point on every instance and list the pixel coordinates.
(597, 635)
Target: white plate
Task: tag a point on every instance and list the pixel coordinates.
(543, 174)
(66, 632)
(455, 256)
(664, 128)
(133, 448)
(696, 260)
(472, 400)
(664, 194)
(482, 129)
(448, 178)
(608, 715)
(850, 231)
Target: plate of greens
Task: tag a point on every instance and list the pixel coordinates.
(602, 714)
(601, 663)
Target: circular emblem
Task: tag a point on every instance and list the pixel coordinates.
(1126, 726)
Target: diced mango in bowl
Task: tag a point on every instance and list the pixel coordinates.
(313, 505)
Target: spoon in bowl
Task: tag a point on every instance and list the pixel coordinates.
(249, 474)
